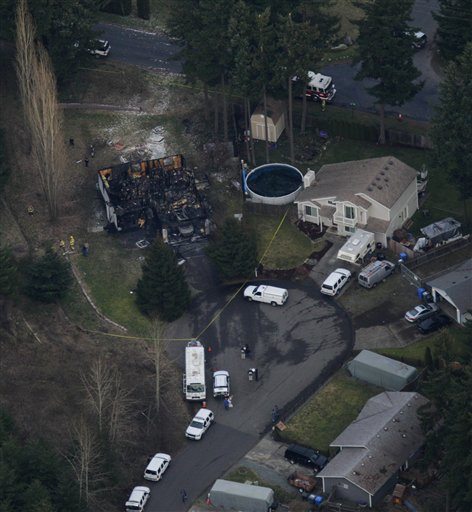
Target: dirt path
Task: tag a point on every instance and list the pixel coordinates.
(99, 106)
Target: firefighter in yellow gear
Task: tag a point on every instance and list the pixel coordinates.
(62, 246)
(72, 243)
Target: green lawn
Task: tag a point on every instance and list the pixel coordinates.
(329, 412)
(454, 341)
(290, 247)
(111, 273)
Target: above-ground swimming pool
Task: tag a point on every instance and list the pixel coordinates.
(275, 184)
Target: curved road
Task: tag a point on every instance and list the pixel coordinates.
(295, 348)
(157, 52)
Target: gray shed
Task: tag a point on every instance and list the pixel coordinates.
(229, 495)
(381, 371)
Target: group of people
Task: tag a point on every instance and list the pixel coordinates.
(62, 246)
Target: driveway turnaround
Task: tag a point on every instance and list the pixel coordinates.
(294, 348)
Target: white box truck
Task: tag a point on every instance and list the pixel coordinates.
(268, 294)
(226, 495)
(194, 377)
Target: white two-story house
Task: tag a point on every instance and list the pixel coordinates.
(376, 194)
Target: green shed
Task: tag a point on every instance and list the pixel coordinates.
(381, 371)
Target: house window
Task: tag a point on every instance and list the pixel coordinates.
(349, 212)
(310, 210)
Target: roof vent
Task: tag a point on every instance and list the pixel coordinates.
(408, 404)
(403, 435)
(377, 435)
(354, 472)
(385, 428)
(386, 179)
(386, 167)
(380, 187)
(377, 178)
(362, 464)
(369, 188)
(390, 162)
(370, 457)
(382, 173)
(401, 412)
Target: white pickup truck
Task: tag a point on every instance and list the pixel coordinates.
(268, 294)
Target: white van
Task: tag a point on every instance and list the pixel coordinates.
(335, 281)
(137, 499)
(374, 273)
(268, 294)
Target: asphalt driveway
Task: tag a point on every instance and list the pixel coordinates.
(294, 347)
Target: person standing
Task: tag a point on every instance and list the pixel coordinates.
(86, 162)
(183, 495)
(226, 403)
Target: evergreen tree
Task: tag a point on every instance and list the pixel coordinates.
(454, 27)
(48, 278)
(162, 289)
(144, 9)
(234, 251)
(121, 7)
(7, 272)
(428, 359)
(36, 498)
(386, 54)
(451, 133)
(4, 167)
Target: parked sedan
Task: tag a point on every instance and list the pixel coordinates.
(421, 312)
(433, 323)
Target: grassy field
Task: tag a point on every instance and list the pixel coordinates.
(111, 273)
(290, 246)
(454, 342)
(329, 412)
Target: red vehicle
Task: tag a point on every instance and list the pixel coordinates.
(320, 87)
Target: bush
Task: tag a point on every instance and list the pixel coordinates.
(121, 7)
(144, 9)
(48, 278)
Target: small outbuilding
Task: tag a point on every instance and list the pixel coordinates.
(381, 371)
(275, 121)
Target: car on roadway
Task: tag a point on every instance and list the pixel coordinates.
(221, 383)
(335, 281)
(200, 424)
(421, 312)
(433, 323)
(157, 466)
(100, 48)
(137, 499)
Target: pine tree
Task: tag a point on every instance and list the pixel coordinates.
(48, 278)
(454, 27)
(7, 272)
(386, 54)
(162, 289)
(451, 133)
(234, 251)
(144, 9)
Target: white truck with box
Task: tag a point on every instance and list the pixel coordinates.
(226, 495)
(194, 377)
(268, 294)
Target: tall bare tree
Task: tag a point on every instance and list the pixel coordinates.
(85, 459)
(43, 116)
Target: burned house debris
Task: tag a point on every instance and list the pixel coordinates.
(159, 194)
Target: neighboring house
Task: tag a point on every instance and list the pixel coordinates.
(275, 121)
(381, 371)
(382, 440)
(454, 288)
(377, 194)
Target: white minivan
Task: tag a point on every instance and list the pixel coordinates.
(137, 499)
(268, 294)
(157, 466)
(335, 281)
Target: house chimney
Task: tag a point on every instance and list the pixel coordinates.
(309, 178)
